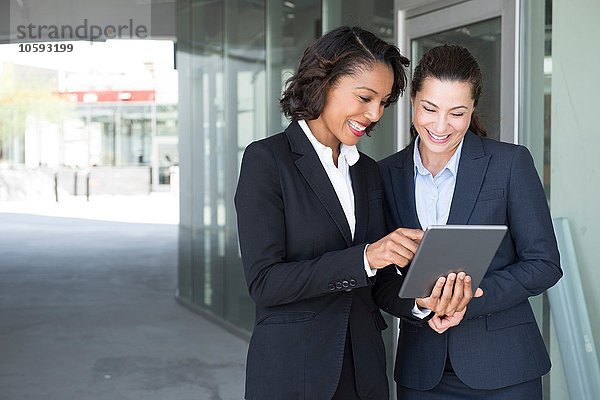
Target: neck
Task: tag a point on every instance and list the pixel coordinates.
(434, 162)
(325, 139)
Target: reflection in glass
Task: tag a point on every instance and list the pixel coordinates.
(547, 94)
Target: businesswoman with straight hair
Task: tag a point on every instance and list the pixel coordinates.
(452, 174)
(308, 203)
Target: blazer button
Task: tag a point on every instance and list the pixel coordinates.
(331, 286)
(345, 283)
(338, 285)
(352, 282)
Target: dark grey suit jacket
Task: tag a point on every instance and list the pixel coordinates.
(498, 343)
(306, 274)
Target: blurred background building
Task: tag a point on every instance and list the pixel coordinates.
(107, 111)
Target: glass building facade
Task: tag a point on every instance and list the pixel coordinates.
(234, 57)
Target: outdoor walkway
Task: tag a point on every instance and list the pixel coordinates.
(87, 311)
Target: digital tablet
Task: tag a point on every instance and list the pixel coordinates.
(451, 248)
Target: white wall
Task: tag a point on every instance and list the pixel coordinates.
(575, 141)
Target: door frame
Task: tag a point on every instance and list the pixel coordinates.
(413, 23)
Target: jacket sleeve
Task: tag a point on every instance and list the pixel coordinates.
(271, 277)
(538, 263)
(385, 292)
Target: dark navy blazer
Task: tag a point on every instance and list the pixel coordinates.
(306, 274)
(498, 343)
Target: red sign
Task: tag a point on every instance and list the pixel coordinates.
(110, 96)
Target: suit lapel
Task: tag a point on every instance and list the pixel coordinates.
(359, 186)
(403, 182)
(471, 172)
(312, 170)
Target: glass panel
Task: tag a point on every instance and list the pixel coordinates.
(534, 118)
(186, 86)
(245, 94)
(547, 93)
(207, 116)
(234, 69)
(291, 27)
(483, 41)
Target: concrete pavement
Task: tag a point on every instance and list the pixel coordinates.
(87, 311)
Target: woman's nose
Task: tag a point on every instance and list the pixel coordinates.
(440, 124)
(374, 112)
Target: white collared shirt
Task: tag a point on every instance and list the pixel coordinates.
(340, 179)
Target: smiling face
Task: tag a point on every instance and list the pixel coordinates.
(352, 106)
(441, 115)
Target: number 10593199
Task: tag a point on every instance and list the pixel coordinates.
(45, 47)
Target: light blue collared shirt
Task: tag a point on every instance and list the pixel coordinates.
(433, 195)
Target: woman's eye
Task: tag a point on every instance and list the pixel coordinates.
(458, 114)
(364, 99)
(428, 109)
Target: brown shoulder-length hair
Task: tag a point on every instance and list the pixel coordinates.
(450, 63)
(343, 51)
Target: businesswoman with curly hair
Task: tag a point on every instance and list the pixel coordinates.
(312, 230)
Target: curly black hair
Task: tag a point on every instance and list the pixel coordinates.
(343, 51)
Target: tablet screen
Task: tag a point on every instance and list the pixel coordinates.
(451, 248)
